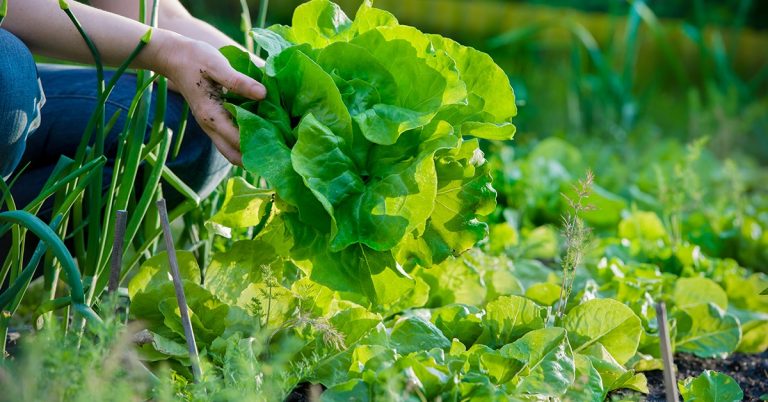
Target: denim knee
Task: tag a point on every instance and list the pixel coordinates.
(20, 100)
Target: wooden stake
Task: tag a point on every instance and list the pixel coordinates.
(670, 383)
(117, 251)
(179, 287)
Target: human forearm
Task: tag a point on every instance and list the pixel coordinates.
(197, 69)
(47, 30)
(171, 16)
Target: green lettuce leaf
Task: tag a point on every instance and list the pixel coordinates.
(508, 318)
(710, 386)
(548, 368)
(608, 322)
(244, 206)
(412, 334)
(360, 137)
(706, 331)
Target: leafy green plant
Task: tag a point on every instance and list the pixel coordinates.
(710, 386)
(364, 125)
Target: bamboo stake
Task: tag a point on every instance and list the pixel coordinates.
(670, 383)
(117, 251)
(179, 287)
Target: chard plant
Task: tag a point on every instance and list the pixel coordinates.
(365, 138)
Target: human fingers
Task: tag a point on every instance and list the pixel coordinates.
(221, 72)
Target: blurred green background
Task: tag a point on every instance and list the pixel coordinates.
(626, 71)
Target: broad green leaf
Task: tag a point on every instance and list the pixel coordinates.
(502, 235)
(587, 385)
(642, 225)
(259, 138)
(276, 304)
(383, 124)
(241, 61)
(478, 387)
(608, 322)
(502, 282)
(243, 264)
(269, 40)
(489, 90)
(454, 281)
(335, 368)
(548, 369)
(692, 291)
(397, 291)
(458, 321)
(318, 156)
(455, 89)
(541, 243)
(350, 270)
(206, 312)
(352, 390)
(429, 370)
(464, 193)
(356, 270)
(482, 77)
(710, 386)
(412, 334)
(744, 291)
(155, 347)
(354, 323)
(155, 273)
(754, 338)
(545, 294)
(508, 318)
(244, 206)
(318, 22)
(499, 366)
(614, 375)
(489, 131)
(366, 358)
(709, 331)
(388, 208)
(414, 144)
(368, 18)
(306, 89)
(351, 66)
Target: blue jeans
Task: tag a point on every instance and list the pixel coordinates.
(36, 129)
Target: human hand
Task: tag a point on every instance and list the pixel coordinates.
(201, 74)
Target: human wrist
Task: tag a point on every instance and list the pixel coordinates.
(162, 52)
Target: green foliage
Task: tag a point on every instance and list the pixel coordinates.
(364, 127)
(350, 270)
(710, 386)
(607, 322)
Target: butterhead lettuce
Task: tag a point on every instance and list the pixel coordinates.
(369, 138)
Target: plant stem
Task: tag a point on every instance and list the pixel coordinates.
(246, 25)
(262, 18)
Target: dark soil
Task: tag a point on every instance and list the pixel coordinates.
(750, 371)
(305, 392)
